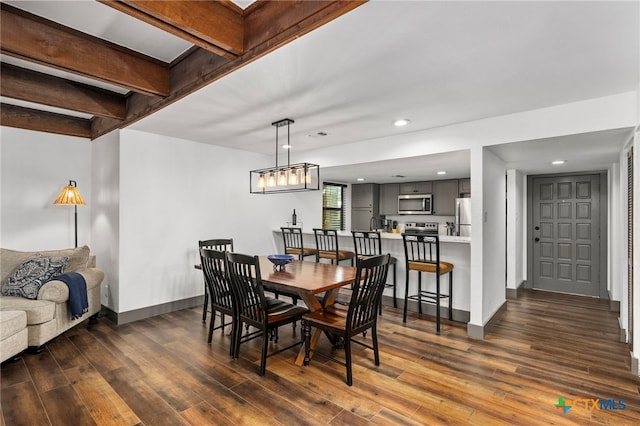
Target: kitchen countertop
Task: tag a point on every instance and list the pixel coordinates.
(398, 236)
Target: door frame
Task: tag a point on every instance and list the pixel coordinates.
(604, 219)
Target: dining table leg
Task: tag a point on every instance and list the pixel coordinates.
(314, 305)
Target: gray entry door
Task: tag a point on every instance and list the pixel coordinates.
(566, 234)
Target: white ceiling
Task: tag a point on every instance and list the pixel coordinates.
(436, 63)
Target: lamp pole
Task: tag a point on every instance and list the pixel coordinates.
(75, 211)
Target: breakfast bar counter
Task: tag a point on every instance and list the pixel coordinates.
(453, 249)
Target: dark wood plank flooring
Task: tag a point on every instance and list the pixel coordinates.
(160, 371)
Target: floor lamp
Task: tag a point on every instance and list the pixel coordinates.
(71, 196)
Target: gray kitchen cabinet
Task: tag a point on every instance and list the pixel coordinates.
(464, 187)
(365, 195)
(416, 188)
(445, 193)
(389, 198)
(365, 204)
(361, 219)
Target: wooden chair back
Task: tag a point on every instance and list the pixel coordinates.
(219, 244)
(366, 296)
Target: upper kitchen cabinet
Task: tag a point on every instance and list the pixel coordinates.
(389, 198)
(445, 193)
(416, 188)
(464, 187)
(365, 195)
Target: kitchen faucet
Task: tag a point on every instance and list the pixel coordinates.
(373, 223)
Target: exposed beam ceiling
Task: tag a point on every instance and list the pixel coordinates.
(225, 38)
(32, 86)
(213, 26)
(43, 121)
(35, 39)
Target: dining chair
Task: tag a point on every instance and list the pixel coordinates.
(293, 243)
(219, 244)
(422, 254)
(362, 314)
(254, 309)
(219, 288)
(369, 243)
(327, 246)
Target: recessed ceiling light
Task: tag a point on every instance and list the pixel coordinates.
(401, 122)
(441, 172)
(360, 179)
(558, 162)
(317, 135)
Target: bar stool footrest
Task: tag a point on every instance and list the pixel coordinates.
(430, 297)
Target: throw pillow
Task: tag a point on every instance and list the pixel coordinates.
(31, 274)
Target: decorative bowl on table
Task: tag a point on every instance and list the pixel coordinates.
(279, 260)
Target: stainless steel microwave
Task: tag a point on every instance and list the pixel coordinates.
(415, 204)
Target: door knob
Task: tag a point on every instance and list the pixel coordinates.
(537, 228)
(536, 239)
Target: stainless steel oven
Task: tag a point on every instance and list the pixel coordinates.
(415, 204)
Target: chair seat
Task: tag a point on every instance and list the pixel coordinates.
(430, 266)
(331, 316)
(296, 251)
(284, 311)
(342, 254)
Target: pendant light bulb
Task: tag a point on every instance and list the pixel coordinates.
(282, 178)
(293, 177)
(261, 182)
(271, 180)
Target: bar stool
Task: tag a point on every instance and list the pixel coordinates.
(422, 253)
(327, 246)
(293, 244)
(217, 244)
(369, 243)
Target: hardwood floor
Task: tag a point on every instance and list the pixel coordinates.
(160, 371)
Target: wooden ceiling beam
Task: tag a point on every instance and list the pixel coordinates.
(43, 121)
(271, 24)
(267, 26)
(208, 24)
(32, 86)
(35, 39)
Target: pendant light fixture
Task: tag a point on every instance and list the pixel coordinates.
(285, 178)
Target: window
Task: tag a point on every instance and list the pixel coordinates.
(333, 206)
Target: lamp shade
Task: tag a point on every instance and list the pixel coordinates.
(70, 195)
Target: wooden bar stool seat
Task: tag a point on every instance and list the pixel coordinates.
(424, 266)
(422, 254)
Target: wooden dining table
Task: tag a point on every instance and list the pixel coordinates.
(308, 280)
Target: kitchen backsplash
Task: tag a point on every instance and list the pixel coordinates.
(404, 219)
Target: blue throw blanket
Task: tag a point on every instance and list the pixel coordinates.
(78, 301)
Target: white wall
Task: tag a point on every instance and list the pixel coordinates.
(35, 166)
(494, 232)
(105, 217)
(174, 192)
(515, 228)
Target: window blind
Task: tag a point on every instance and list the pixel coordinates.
(333, 206)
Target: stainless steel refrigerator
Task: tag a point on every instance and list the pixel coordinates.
(463, 217)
